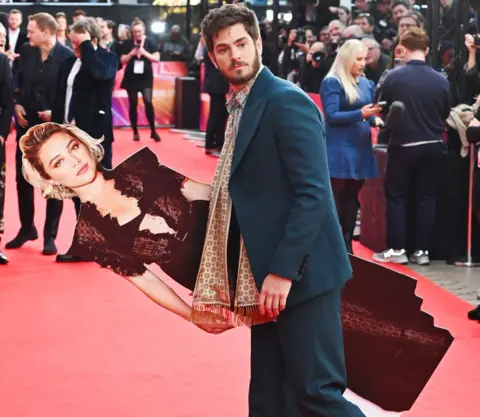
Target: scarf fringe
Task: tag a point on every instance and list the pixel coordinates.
(240, 316)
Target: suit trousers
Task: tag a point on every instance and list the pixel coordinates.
(298, 363)
(412, 168)
(217, 121)
(2, 185)
(25, 194)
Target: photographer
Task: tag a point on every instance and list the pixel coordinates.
(139, 75)
(472, 42)
(290, 57)
(315, 68)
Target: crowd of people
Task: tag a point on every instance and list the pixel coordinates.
(365, 62)
(64, 72)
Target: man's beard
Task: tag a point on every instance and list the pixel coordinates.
(247, 77)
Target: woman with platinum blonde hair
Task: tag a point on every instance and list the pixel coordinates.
(347, 98)
(137, 214)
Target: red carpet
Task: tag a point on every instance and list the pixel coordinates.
(78, 341)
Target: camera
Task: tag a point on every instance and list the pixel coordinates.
(301, 37)
(318, 57)
(476, 39)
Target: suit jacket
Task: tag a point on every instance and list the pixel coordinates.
(91, 102)
(281, 192)
(6, 96)
(213, 83)
(27, 62)
(22, 39)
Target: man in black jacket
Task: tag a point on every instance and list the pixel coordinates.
(217, 88)
(39, 63)
(84, 92)
(414, 148)
(6, 113)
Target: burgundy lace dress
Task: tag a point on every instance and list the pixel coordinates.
(125, 249)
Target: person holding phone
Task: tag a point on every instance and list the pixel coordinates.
(139, 76)
(347, 98)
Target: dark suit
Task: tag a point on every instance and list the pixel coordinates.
(6, 112)
(21, 40)
(283, 202)
(217, 87)
(91, 102)
(29, 62)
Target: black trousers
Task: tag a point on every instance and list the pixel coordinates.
(2, 186)
(147, 102)
(106, 162)
(346, 193)
(25, 194)
(412, 168)
(217, 121)
(298, 364)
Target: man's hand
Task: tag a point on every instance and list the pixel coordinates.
(12, 56)
(470, 43)
(378, 122)
(2, 140)
(20, 113)
(78, 38)
(45, 115)
(274, 294)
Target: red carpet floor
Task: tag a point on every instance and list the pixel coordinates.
(76, 341)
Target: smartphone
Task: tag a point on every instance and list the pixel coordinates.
(382, 103)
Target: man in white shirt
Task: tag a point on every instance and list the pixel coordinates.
(84, 91)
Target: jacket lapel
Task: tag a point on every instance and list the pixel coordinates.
(251, 117)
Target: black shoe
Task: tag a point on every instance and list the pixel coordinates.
(155, 137)
(3, 259)
(68, 258)
(136, 137)
(49, 247)
(474, 314)
(21, 239)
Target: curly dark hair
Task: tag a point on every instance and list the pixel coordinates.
(226, 16)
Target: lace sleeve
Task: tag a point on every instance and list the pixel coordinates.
(90, 245)
(142, 172)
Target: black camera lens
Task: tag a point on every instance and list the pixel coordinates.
(318, 56)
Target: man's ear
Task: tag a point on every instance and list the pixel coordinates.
(212, 58)
(427, 51)
(259, 45)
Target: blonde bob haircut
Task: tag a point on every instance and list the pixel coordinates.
(342, 68)
(33, 169)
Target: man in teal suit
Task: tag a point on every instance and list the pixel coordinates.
(282, 211)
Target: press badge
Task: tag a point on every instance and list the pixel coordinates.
(138, 67)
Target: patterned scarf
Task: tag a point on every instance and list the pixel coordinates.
(212, 290)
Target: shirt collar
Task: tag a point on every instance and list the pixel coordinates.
(416, 62)
(239, 99)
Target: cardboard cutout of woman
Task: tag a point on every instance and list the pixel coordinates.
(134, 215)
